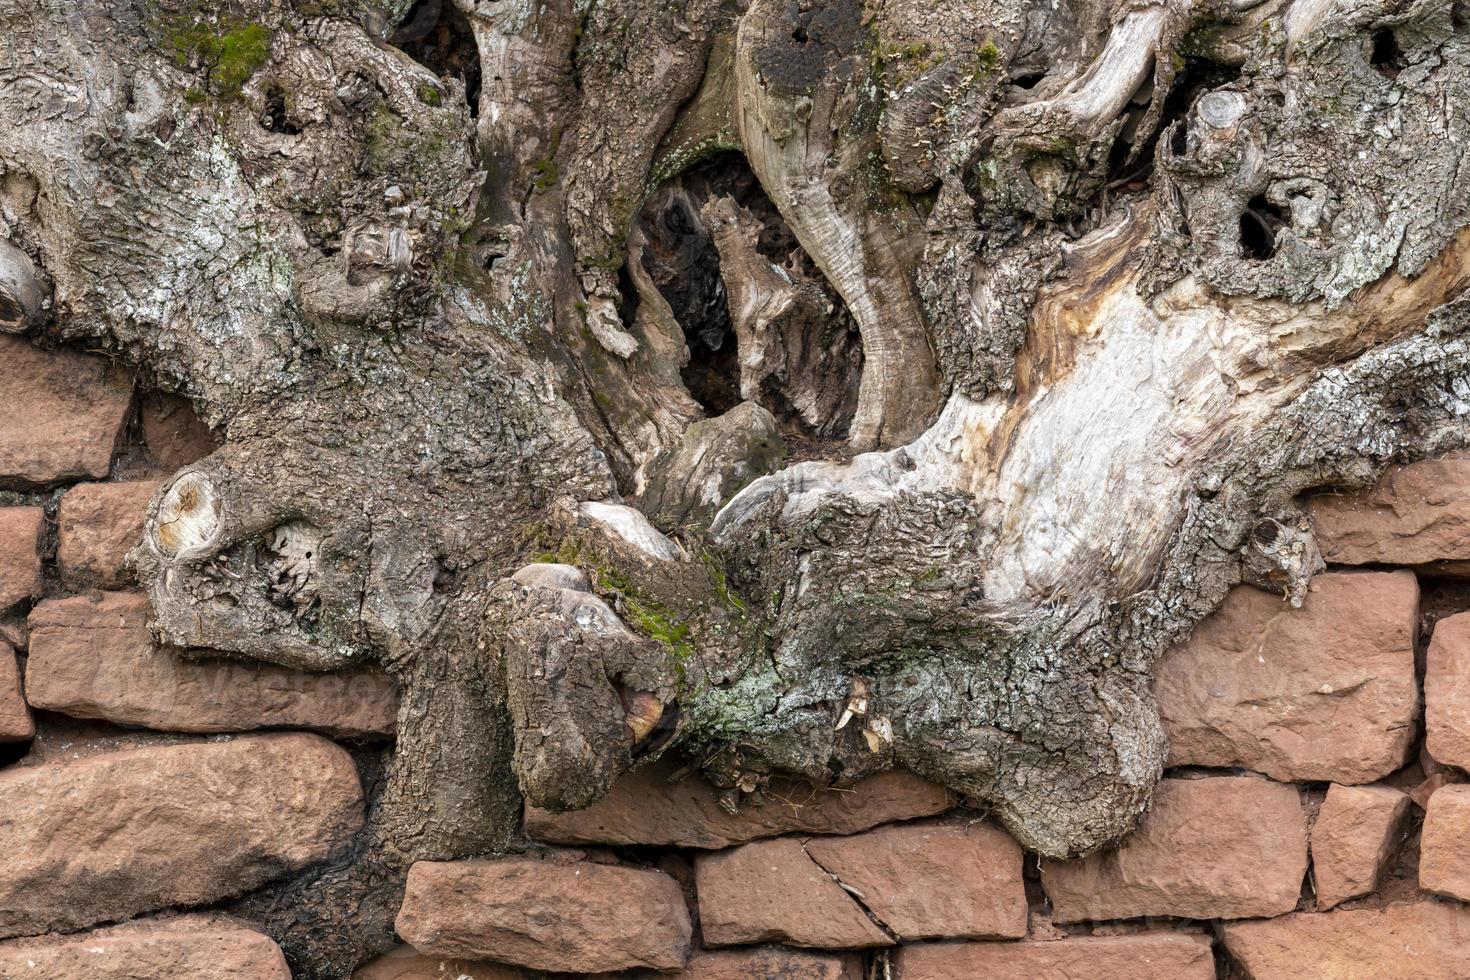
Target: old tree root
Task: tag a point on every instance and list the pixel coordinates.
(809, 387)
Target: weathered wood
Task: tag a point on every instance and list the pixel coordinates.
(22, 293)
(1125, 281)
(799, 80)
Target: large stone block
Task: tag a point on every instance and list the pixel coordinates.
(97, 525)
(91, 657)
(574, 917)
(1326, 692)
(1418, 941)
(114, 835)
(772, 891)
(64, 413)
(1223, 847)
(177, 949)
(950, 880)
(761, 963)
(1354, 836)
(1444, 846)
(1417, 515)
(766, 963)
(1147, 956)
(648, 807)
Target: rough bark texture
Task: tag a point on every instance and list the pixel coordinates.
(1052, 309)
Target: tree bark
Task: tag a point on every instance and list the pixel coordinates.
(811, 387)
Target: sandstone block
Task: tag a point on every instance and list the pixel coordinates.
(114, 835)
(1354, 836)
(407, 963)
(773, 891)
(1325, 692)
(646, 807)
(98, 524)
(1447, 692)
(20, 554)
(1224, 847)
(1422, 791)
(766, 963)
(758, 963)
(933, 880)
(1418, 941)
(1417, 514)
(174, 434)
(1444, 847)
(16, 724)
(91, 657)
(579, 917)
(1146, 956)
(13, 631)
(65, 411)
(175, 950)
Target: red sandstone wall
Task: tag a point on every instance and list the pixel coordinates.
(1315, 821)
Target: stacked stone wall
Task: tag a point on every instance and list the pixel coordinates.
(1314, 820)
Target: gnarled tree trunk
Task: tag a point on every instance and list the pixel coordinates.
(814, 387)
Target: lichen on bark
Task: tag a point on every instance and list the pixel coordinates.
(811, 387)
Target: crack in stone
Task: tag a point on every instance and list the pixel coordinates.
(858, 898)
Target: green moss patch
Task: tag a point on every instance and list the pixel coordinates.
(227, 50)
